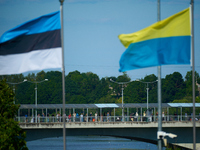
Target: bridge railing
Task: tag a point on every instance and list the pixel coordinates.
(105, 119)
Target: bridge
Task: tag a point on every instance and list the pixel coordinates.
(135, 124)
(141, 129)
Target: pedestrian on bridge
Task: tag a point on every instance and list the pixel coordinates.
(163, 116)
(81, 117)
(90, 116)
(74, 116)
(43, 116)
(69, 117)
(38, 118)
(96, 117)
(136, 115)
(32, 119)
(108, 116)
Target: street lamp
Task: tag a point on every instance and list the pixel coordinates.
(36, 82)
(147, 91)
(13, 83)
(122, 83)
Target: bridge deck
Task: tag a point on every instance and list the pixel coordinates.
(56, 125)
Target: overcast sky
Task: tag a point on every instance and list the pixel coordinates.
(91, 29)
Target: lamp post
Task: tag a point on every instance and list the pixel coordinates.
(36, 82)
(122, 83)
(13, 83)
(147, 90)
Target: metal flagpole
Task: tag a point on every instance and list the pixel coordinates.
(159, 92)
(63, 73)
(193, 73)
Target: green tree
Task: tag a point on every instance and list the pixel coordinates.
(11, 135)
(152, 88)
(117, 88)
(107, 99)
(188, 81)
(173, 87)
(82, 87)
(103, 89)
(123, 78)
(134, 93)
(88, 88)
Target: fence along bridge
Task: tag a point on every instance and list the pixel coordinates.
(85, 109)
(143, 128)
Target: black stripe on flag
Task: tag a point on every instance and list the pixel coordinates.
(28, 43)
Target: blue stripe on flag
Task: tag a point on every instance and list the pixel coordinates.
(155, 52)
(41, 24)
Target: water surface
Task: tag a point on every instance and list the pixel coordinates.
(89, 143)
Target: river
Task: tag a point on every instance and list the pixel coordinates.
(89, 143)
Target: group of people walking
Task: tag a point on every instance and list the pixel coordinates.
(76, 117)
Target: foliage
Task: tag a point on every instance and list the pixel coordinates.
(173, 87)
(89, 88)
(119, 84)
(188, 79)
(136, 91)
(11, 135)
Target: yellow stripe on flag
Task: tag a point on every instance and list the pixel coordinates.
(175, 25)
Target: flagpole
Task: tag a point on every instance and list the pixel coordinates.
(159, 92)
(63, 73)
(193, 73)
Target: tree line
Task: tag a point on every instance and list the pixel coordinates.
(88, 88)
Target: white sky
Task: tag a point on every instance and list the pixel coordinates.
(91, 29)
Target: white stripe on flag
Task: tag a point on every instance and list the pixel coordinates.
(35, 60)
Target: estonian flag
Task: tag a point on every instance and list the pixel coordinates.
(165, 42)
(34, 45)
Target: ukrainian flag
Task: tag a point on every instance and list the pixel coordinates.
(165, 42)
